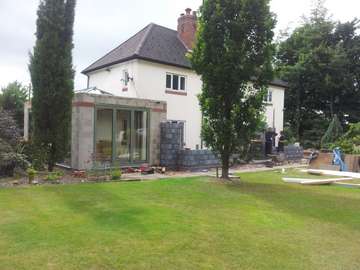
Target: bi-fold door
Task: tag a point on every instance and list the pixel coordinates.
(121, 136)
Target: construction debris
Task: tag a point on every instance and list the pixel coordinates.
(304, 181)
(334, 173)
(342, 181)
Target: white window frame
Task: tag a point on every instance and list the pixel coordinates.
(269, 96)
(125, 79)
(179, 82)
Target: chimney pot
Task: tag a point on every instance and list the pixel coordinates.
(187, 28)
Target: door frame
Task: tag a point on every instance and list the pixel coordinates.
(114, 161)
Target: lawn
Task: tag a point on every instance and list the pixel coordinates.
(195, 223)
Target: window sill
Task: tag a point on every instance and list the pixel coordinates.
(176, 92)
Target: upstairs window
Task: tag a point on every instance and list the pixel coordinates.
(126, 77)
(168, 81)
(268, 98)
(175, 82)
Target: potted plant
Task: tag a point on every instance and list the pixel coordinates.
(31, 172)
(116, 175)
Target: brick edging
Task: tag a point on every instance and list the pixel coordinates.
(176, 93)
(83, 104)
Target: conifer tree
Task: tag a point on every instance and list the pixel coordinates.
(52, 77)
(334, 132)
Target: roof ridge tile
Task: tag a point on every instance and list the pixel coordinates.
(142, 41)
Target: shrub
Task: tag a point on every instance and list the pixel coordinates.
(31, 172)
(116, 174)
(54, 176)
(9, 131)
(289, 135)
(313, 132)
(13, 98)
(11, 155)
(333, 133)
(350, 141)
(35, 155)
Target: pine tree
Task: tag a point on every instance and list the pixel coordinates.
(319, 60)
(334, 132)
(52, 78)
(234, 47)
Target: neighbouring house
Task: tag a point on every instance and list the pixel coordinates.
(145, 81)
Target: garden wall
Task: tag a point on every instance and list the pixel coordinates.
(174, 156)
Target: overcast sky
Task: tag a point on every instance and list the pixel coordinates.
(101, 25)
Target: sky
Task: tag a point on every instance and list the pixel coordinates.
(101, 25)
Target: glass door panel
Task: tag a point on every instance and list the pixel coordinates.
(141, 136)
(104, 130)
(123, 135)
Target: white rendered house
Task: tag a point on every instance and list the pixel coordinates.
(152, 65)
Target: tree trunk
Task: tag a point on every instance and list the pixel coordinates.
(51, 166)
(225, 158)
(298, 115)
(51, 159)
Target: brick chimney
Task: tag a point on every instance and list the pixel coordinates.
(187, 28)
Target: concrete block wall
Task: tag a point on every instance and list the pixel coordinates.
(197, 159)
(82, 132)
(172, 141)
(174, 156)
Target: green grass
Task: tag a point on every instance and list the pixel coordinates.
(261, 223)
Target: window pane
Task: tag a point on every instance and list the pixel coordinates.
(104, 127)
(123, 136)
(175, 82)
(168, 81)
(182, 83)
(126, 77)
(141, 136)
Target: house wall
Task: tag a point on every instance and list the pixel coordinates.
(83, 124)
(274, 111)
(150, 83)
(110, 80)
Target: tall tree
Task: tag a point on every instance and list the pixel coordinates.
(12, 98)
(319, 59)
(333, 133)
(234, 47)
(52, 77)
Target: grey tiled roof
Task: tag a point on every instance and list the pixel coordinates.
(279, 82)
(154, 43)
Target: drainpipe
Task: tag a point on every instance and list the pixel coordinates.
(88, 81)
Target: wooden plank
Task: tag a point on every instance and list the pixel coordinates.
(325, 181)
(335, 173)
(293, 180)
(304, 181)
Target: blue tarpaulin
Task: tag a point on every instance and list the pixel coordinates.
(338, 160)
